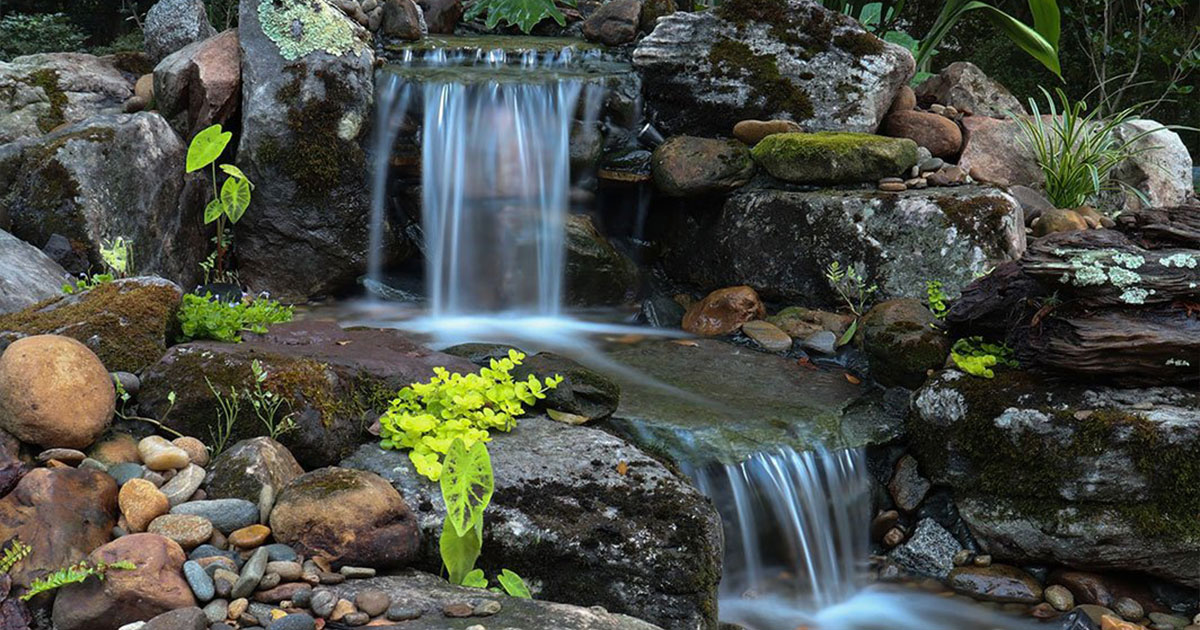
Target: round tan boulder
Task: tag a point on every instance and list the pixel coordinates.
(54, 392)
(350, 517)
(939, 134)
(124, 596)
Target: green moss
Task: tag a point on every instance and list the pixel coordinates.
(979, 216)
(47, 80)
(771, 91)
(859, 43)
(743, 11)
(302, 28)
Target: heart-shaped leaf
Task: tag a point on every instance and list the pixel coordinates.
(213, 210)
(206, 147)
(234, 171)
(235, 196)
(467, 484)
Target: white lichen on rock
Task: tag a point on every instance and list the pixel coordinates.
(302, 27)
(1179, 362)
(1135, 295)
(1183, 260)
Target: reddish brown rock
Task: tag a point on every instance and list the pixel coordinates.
(723, 311)
(993, 150)
(350, 517)
(937, 133)
(615, 23)
(905, 100)
(441, 16)
(996, 583)
(62, 514)
(201, 84)
(154, 587)
(690, 166)
(1058, 220)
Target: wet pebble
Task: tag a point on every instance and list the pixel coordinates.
(159, 454)
(323, 602)
(250, 537)
(356, 619)
(226, 515)
(1060, 597)
(201, 584)
(294, 621)
(252, 574)
(401, 612)
(822, 342)
(1129, 609)
(372, 601)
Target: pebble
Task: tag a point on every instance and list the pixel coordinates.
(356, 619)
(896, 186)
(217, 611)
(252, 574)
(250, 537)
(209, 551)
(821, 342)
(237, 607)
(195, 449)
(153, 477)
(983, 560)
(68, 456)
(458, 609)
(294, 621)
(183, 485)
(125, 471)
(223, 580)
(400, 612)
(129, 382)
(226, 515)
(202, 585)
(297, 592)
(324, 577)
(938, 108)
(894, 537)
(323, 602)
(916, 183)
(187, 530)
(218, 539)
(266, 502)
(1129, 609)
(282, 553)
(372, 601)
(767, 335)
(222, 626)
(487, 608)
(962, 558)
(1060, 597)
(931, 164)
(1163, 619)
(159, 454)
(141, 502)
(269, 581)
(287, 571)
(342, 608)
(357, 573)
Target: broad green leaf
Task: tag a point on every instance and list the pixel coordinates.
(206, 147)
(1046, 20)
(213, 210)
(475, 579)
(235, 196)
(1022, 35)
(459, 552)
(513, 584)
(234, 171)
(467, 485)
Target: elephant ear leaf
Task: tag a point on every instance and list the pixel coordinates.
(235, 196)
(467, 485)
(206, 147)
(513, 584)
(213, 210)
(1046, 20)
(234, 171)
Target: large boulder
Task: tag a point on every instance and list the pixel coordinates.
(27, 276)
(994, 151)
(40, 93)
(125, 596)
(684, 166)
(336, 382)
(200, 84)
(1161, 170)
(348, 517)
(597, 273)
(62, 514)
(413, 590)
(244, 469)
(615, 23)
(127, 323)
(173, 24)
(937, 133)
(963, 86)
(703, 72)
(54, 392)
(307, 75)
(779, 241)
(1087, 476)
(834, 157)
(113, 175)
(595, 523)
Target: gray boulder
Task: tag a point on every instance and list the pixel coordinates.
(113, 175)
(1091, 477)
(929, 552)
(173, 24)
(965, 87)
(308, 80)
(779, 241)
(703, 72)
(27, 276)
(1161, 170)
(244, 469)
(40, 93)
(580, 527)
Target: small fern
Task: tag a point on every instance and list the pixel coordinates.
(74, 574)
(14, 554)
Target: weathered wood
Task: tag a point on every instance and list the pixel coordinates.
(1163, 227)
(995, 304)
(1130, 346)
(1103, 268)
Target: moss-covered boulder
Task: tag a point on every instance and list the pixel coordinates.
(780, 241)
(39, 93)
(127, 323)
(597, 274)
(336, 382)
(902, 342)
(586, 519)
(110, 176)
(684, 166)
(307, 74)
(834, 157)
(1091, 477)
(703, 72)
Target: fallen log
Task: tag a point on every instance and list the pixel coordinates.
(1154, 228)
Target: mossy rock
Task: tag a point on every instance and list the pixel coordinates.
(685, 166)
(834, 157)
(902, 342)
(597, 273)
(127, 323)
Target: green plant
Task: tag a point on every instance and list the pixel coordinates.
(851, 286)
(122, 412)
(14, 553)
(228, 409)
(117, 255)
(266, 404)
(1040, 41)
(229, 202)
(1076, 151)
(202, 317)
(937, 299)
(74, 574)
(524, 14)
(976, 357)
(428, 417)
(86, 283)
(28, 34)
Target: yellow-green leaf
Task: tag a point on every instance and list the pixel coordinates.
(213, 210)
(467, 484)
(235, 196)
(234, 171)
(206, 147)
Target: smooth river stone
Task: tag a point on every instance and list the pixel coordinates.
(197, 452)
(159, 454)
(252, 574)
(226, 515)
(199, 580)
(767, 335)
(184, 484)
(141, 502)
(188, 530)
(250, 537)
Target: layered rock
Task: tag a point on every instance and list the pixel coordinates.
(705, 71)
(27, 276)
(127, 323)
(308, 79)
(584, 530)
(1087, 476)
(43, 92)
(336, 381)
(200, 84)
(113, 175)
(779, 242)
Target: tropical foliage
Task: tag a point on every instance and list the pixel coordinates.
(229, 202)
(203, 317)
(1040, 41)
(523, 14)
